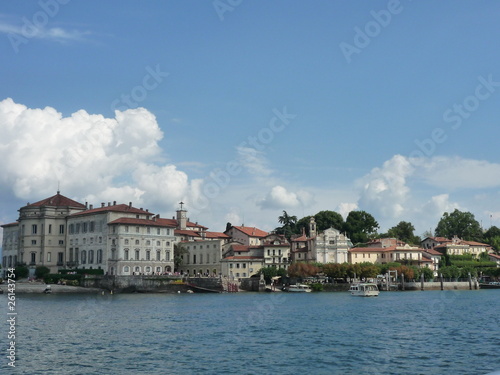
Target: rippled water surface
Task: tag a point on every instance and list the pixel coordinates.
(432, 332)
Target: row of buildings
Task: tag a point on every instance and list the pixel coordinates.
(60, 233)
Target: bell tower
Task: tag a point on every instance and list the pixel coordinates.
(312, 227)
(181, 217)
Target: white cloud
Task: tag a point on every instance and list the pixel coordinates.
(344, 208)
(101, 159)
(28, 31)
(384, 190)
(458, 173)
(279, 197)
(253, 161)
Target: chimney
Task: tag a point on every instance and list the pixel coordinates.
(129, 204)
(103, 204)
(109, 204)
(141, 208)
(86, 204)
(158, 216)
(114, 203)
(91, 207)
(147, 209)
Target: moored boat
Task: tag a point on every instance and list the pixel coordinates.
(364, 290)
(490, 285)
(297, 288)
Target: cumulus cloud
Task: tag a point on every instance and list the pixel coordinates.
(279, 197)
(344, 208)
(384, 190)
(86, 153)
(457, 173)
(253, 161)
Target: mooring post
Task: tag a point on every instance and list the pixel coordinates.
(402, 281)
(441, 280)
(470, 281)
(422, 281)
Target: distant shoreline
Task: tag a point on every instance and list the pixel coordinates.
(38, 288)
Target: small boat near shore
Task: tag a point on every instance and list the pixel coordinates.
(364, 290)
(490, 285)
(297, 288)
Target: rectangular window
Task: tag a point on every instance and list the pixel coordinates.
(244, 265)
(157, 230)
(137, 255)
(92, 226)
(77, 228)
(194, 259)
(71, 254)
(50, 228)
(168, 255)
(33, 242)
(60, 258)
(158, 255)
(148, 255)
(85, 227)
(34, 229)
(61, 242)
(148, 230)
(33, 258)
(49, 257)
(136, 229)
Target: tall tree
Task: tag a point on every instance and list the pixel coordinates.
(289, 223)
(359, 226)
(461, 224)
(328, 219)
(303, 223)
(404, 232)
(179, 252)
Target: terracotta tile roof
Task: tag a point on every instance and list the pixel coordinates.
(240, 248)
(251, 231)
(494, 256)
(216, 235)
(57, 200)
(187, 232)
(371, 249)
(10, 224)
(432, 252)
(236, 257)
(125, 208)
(474, 243)
(302, 238)
(167, 222)
(425, 259)
(300, 250)
(134, 221)
(196, 225)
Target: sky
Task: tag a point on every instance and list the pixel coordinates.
(242, 109)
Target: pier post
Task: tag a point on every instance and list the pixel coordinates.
(402, 281)
(470, 281)
(441, 280)
(422, 281)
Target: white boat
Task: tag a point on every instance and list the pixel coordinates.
(300, 288)
(364, 290)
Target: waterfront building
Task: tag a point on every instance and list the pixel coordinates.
(381, 255)
(241, 261)
(10, 246)
(203, 255)
(41, 231)
(250, 236)
(329, 246)
(435, 257)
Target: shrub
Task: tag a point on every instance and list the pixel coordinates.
(21, 272)
(317, 287)
(41, 271)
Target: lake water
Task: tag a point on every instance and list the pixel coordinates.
(432, 332)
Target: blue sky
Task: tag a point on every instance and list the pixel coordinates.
(195, 81)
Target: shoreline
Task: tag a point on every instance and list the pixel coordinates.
(39, 287)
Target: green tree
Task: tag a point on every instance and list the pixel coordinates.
(179, 253)
(404, 232)
(335, 270)
(359, 226)
(461, 224)
(492, 237)
(302, 270)
(328, 219)
(21, 272)
(450, 272)
(41, 272)
(289, 222)
(303, 223)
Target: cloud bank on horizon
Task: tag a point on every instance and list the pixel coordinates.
(99, 159)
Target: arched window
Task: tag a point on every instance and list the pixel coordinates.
(137, 242)
(99, 256)
(126, 242)
(84, 256)
(126, 269)
(148, 243)
(137, 269)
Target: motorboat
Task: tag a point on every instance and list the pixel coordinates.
(490, 285)
(364, 290)
(297, 288)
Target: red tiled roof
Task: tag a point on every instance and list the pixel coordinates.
(187, 232)
(432, 252)
(167, 222)
(302, 238)
(125, 208)
(243, 257)
(371, 249)
(251, 231)
(57, 200)
(425, 259)
(196, 225)
(240, 247)
(474, 243)
(300, 250)
(216, 235)
(10, 224)
(134, 221)
(495, 256)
